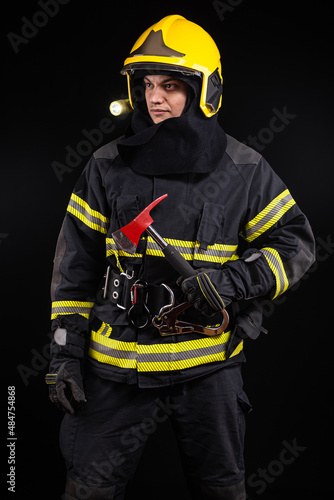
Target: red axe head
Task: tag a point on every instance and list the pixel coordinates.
(127, 237)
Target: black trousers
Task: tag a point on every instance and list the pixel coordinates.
(103, 442)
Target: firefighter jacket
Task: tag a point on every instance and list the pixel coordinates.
(212, 219)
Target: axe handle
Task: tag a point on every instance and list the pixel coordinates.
(172, 255)
(178, 262)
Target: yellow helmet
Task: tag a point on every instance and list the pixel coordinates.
(176, 44)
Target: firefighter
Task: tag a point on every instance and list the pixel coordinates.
(230, 216)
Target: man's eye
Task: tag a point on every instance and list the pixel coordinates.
(170, 86)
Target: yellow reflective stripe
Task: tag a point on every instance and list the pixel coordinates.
(159, 357)
(185, 346)
(93, 219)
(269, 215)
(113, 343)
(107, 359)
(276, 265)
(111, 249)
(63, 307)
(200, 255)
(191, 250)
(154, 366)
(104, 330)
(113, 352)
(185, 248)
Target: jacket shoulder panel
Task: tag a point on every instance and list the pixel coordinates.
(241, 154)
(109, 151)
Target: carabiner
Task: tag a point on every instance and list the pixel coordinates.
(138, 313)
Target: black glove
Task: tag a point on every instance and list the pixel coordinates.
(212, 290)
(65, 384)
(248, 325)
(65, 374)
(201, 292)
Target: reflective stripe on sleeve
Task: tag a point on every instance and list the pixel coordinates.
(63, 307)
(268, 216)
(93, 219)
(276, 265)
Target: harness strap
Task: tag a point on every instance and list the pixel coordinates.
(135, 295)
(148, 304)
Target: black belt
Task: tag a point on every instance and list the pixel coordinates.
(142, 300)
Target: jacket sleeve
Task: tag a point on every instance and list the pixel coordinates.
(80, 253)
(280, 242)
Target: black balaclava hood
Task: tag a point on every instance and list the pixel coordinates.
(188, 143)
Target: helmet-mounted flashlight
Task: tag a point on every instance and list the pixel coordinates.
(120, 107)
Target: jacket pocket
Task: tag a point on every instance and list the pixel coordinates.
(244, 407)
(123, 210)
(244, 402)
(209, 234)
(127, 208)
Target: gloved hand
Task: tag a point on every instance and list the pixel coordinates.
(65, 384)
(65, 375)
(212, 290)
(202, 293)
(248, 325)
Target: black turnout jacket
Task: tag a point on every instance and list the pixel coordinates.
(211, 218)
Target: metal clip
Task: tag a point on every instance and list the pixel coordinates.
(139, 314)
(168, 324)
(128, 276)
(106, 281)
(167, 306)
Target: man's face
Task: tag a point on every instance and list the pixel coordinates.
(165, 97)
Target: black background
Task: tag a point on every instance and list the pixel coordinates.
(275, 55)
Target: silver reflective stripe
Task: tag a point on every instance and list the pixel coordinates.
(112, 249)
(114, 353)
(92, 218)
(191, 250)
(181, 356)
(154, 249)
(71, 307)
(105, 329)
(268, 216)
(276, 265)
(215, 254)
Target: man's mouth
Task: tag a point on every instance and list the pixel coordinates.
(158, 111)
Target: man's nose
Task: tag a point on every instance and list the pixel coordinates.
(157, 95)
